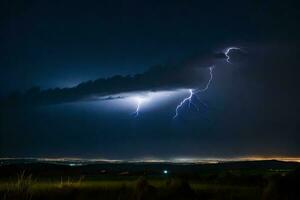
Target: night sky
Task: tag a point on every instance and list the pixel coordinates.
(72, 74)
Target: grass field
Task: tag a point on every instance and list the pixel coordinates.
(124, 189)
(211, 182)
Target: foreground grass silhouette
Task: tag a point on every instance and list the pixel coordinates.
(173, 188)
(228, 186)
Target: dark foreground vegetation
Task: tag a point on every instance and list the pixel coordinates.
(266, 180)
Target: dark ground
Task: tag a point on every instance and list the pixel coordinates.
(230, 180)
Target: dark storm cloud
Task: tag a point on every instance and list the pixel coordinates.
(192, 73)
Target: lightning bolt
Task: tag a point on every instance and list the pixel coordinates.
(194, 93)
(227, 51)
(208, 82)
(137, 110)
(189, 98)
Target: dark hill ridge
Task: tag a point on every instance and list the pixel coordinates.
(106, 168)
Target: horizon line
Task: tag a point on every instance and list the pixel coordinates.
(158, 160)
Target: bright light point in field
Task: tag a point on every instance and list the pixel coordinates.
(74, 164)
(165, 171)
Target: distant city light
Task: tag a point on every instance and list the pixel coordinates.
(75, 164)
